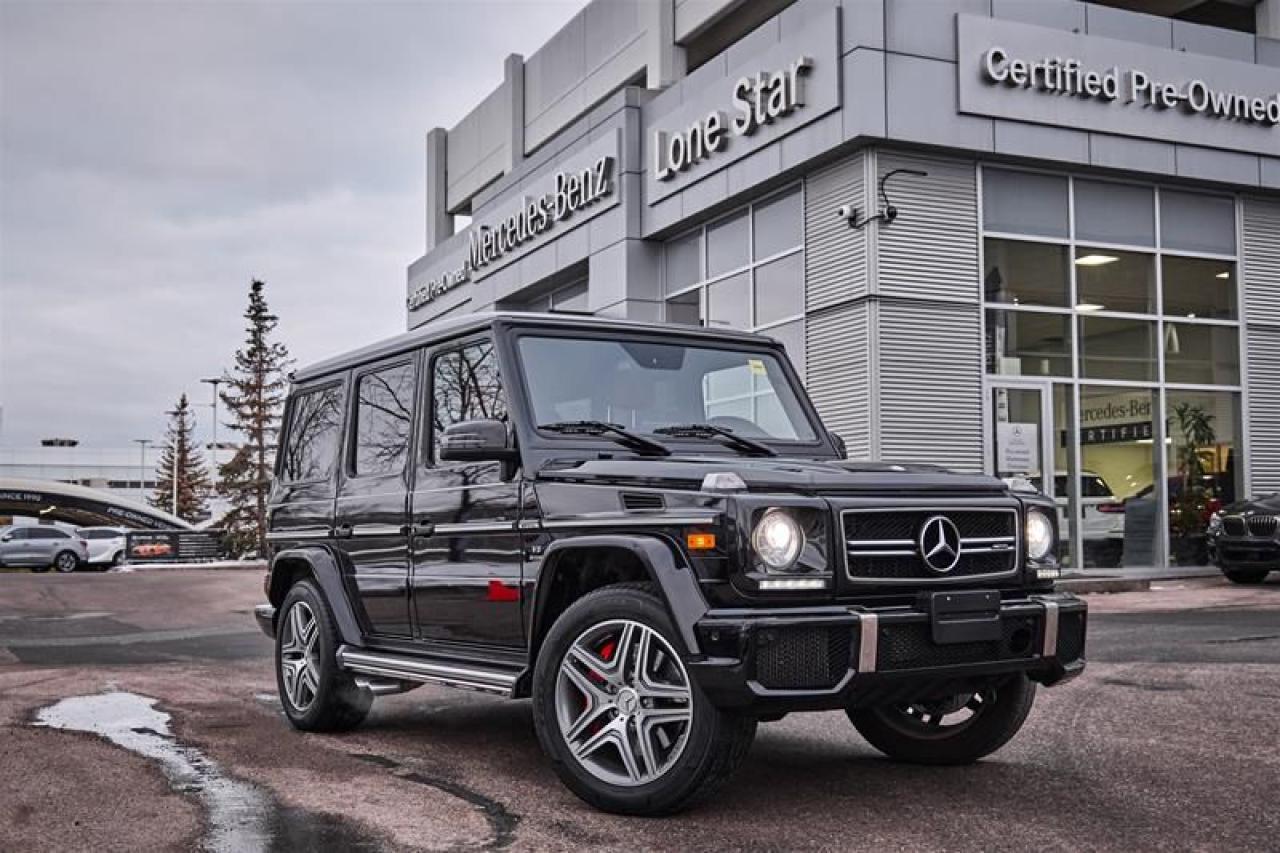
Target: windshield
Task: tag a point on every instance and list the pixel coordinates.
(643, 385)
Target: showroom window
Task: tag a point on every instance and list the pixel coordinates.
(1125, 297)
(744, 270)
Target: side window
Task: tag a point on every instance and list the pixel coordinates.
(465, 387)
(315, 427)
(18, 534)
(384, 416)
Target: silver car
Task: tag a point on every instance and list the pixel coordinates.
(40, 546)
(106, 545)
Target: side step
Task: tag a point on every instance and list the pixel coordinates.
(402, 668)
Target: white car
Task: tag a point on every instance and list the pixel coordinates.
(106, 545)
(1101, 521)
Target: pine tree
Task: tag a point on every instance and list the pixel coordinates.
(254, 395)
(182, 460)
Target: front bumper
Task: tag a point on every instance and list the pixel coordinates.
(775, 661)
(265, 616)
(1244, 552)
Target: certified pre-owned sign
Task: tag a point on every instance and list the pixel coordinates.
(1068, 76)
(1017, 71)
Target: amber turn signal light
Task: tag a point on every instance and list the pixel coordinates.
(700, 541)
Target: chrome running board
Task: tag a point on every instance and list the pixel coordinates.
(401, 668)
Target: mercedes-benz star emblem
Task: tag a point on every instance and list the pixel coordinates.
(940, 544)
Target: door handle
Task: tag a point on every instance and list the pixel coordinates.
(420, 528)
(342, 531)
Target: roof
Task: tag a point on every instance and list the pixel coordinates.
(77, 505)
(456, 326)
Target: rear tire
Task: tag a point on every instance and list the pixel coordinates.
(317, 696)
(1246, 577)
(66, 562)
(919, 733)
(610, 673)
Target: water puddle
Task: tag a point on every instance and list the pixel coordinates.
(240, 816)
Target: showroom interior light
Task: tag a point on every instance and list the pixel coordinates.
(1223, 275)
(1095, 260)
(1089, 306)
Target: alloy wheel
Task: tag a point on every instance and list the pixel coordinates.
(66, 562)
(299, 656)
(623, 703)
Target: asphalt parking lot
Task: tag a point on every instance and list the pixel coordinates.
(1168, 740)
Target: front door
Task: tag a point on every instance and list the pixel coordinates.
(466, 546)
(370, 513)
(1030, 439)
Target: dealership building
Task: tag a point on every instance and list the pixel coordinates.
(1039, 238)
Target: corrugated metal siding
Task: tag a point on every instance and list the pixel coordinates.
(838, 351)
(931, 250)
(1260, 253)
(931, 384)
(835, 254)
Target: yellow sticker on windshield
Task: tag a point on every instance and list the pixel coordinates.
(757, 366)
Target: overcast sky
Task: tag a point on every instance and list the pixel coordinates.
(155, 157)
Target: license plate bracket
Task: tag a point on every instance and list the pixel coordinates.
(968, 616)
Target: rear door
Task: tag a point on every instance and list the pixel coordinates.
(373, 496)
(466, 558)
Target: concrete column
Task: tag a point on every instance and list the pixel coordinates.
(1268, 19)
(439, 220)
(664, 58)
(513, 79)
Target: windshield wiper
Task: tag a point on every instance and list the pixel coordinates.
(624, 437)
(711, 431)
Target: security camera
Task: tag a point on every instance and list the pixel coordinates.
(847, 211)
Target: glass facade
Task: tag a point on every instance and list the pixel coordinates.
(1117, 305)
(744, 270)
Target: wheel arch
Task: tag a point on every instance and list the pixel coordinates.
(293, 564)
(573, 567)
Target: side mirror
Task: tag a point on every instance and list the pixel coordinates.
(841, 447)
(477, 441)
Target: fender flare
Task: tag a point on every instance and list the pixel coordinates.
(681, 593)
(324, 567)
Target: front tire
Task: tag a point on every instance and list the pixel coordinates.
(624, 725)
(954, 730)
(66, 562)
(1246, 577)
(316, 695)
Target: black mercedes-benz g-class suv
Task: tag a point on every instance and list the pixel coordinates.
(647, 530)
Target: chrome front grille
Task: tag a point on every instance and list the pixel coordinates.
(885, 543)
(1233, 525)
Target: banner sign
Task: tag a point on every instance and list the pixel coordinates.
(173, 546)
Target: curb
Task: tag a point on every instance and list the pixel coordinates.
(1086, 586)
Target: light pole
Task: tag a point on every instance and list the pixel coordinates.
(178, 462)
(214, 452)
(142, 466)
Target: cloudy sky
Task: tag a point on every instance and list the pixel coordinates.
(155, 157)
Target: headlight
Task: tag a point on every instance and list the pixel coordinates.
(777, 540)
(1215, 524)
(1039, 535)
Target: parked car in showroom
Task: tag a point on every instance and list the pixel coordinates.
(41, 547)
(648, 531)
(1244, 539)
(1101, 518)
(106, 545)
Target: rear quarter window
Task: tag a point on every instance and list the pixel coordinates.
(314, 434)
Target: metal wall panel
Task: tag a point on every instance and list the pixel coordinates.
(836, 255)
(931, 250)
(1260, 254)
(930, 384)
(839, 363)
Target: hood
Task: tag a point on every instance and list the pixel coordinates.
(1262, 505)
(772, 474)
